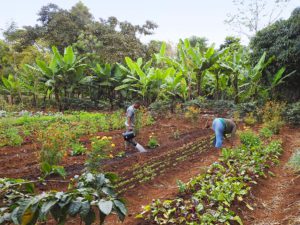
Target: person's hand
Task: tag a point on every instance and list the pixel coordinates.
(130, 128)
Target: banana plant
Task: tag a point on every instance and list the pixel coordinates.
(199, 62)
(235, 66)
(141, 78)
(11, 86)
(174, 86)
(104, 80)
(64, 72)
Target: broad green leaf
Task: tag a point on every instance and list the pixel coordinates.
(74, 208)
(105, 206)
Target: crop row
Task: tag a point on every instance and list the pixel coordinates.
(208, 198)
(158, 165)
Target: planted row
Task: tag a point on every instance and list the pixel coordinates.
(207, 198)
(158, 165)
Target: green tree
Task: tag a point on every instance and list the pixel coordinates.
(282, 40)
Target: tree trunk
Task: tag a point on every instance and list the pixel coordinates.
(199, 81)
(236, 88)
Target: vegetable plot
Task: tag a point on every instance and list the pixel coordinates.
(159, 165)
(207, 198)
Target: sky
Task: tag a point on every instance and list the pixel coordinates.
(176, 18)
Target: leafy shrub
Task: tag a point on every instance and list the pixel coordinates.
(292, 114)
(160, 106)
(294, 161)
(87, 195)
(55, 140)
(247, 107)
(271, 115)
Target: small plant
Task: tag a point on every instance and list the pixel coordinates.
(176, 134)
(249, 139)
(294, 161)
(192, 113)
(121, 154)
(77, 149)
(250, 119)
(181, 186)
(265, 132)
(153, 142)
(100, 148)
(48, 169)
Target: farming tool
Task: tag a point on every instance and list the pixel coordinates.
(128, 136)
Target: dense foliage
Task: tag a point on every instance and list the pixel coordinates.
(282, 40)
(86, 195)
(105, 65)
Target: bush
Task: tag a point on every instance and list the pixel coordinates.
(292, 114)
(55, 140)
(160, 106)
(271, 115)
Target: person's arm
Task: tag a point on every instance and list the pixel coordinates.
(129, 123)
(233, 130)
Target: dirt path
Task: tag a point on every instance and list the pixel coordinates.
(276, 200)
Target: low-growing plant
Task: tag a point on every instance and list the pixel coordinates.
(77, 149)
(48, 169)
(153, 142)
(100, 149)
(176, 134)
(250, 119)
(249, 139)
(265, 132)
(9, 135)
(121, 154)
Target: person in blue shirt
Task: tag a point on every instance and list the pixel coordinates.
(222, 127)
